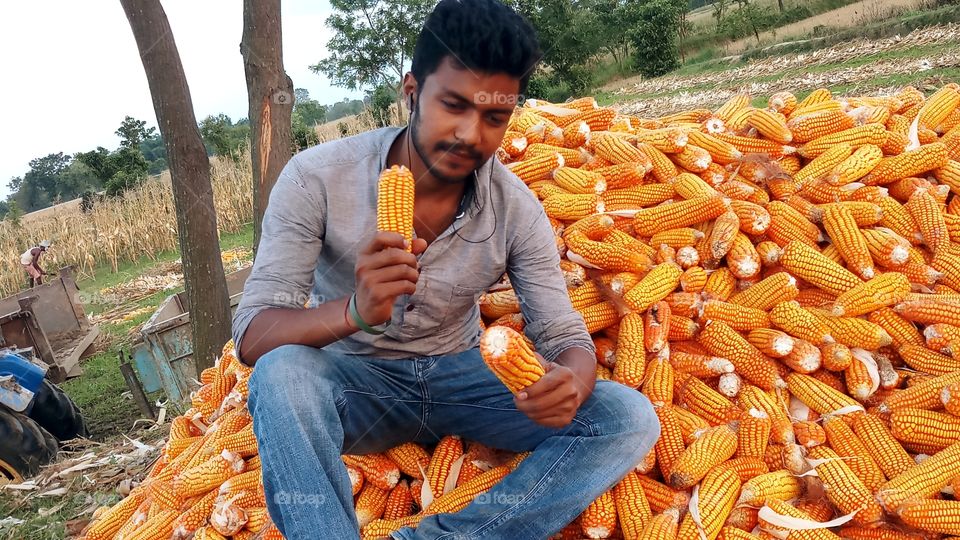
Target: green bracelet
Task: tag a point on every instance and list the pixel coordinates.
(358, 320)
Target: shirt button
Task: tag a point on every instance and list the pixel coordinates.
(409, 307)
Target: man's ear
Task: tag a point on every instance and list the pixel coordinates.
(409, 89)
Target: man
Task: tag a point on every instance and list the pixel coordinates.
(323, 387)
(30, 261)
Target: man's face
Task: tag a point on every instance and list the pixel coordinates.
(460, 117)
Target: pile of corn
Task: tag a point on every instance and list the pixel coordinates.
(783, 283)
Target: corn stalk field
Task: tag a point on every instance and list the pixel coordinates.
(140, 223)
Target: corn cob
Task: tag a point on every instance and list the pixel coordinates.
(910, 163)
(702, 401)
(775, 289)
(632, 507)
(842, 228)
(712, 447)
(721, 340)
(510, 358)
(787, 224)
(461, 496)
(819, 396)
(856, 137)
(377, 469)
(716, 497)
(655, 286)
(649, 221)
(922, 480)
(600, 517)
(920, 426)
(847, 492)
(395, 202)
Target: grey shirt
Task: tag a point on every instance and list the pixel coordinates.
(323, 210)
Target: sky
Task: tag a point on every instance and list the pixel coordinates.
(70, 71)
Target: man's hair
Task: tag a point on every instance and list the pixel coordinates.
(482, 35)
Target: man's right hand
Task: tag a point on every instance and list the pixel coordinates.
(384, 271)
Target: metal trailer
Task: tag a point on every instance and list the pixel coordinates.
(50, 320)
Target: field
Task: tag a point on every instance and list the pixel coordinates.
(126, 251)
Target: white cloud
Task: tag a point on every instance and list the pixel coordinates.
(72, 70)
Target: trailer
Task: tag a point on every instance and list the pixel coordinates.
(163, 356)
(49, 319)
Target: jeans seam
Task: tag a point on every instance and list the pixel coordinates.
(503, 516)
(425, 413)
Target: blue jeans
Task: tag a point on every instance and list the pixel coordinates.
(309, 406)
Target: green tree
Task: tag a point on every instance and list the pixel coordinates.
(373, 40)
(571, 34)
(380, 99)
(310, 110)
(654, 32)
(13, 213)
(132, 132)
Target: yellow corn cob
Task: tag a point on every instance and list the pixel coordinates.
(208, 475)
(507, 354)
(856, 137)
(887, 247)
(932, 516)
(809, 434)
(896, 218)
(717, 496)
(846, 443)
(460, 497)
(839, 223)
(712, 447)
(616, 150)
(771, 125)
(572, 207)
(676, 238)
(721, 340)
(600, 316)
(693, 158)
(635, 197)
(942, 337)
(160, 525)
(703, 401)
(818, 395)
(632, 507)
(377, 469)
(804, 358)
(799, 322)
(749, 145)
(925, 360)
(930, 311)
(671, 442)
(691, 186)
(721, 152)
(786, 509)
(910, 163)
(399, 502)
(847, 492)
(663, 525)
(811, 125)
(920, 426)
(694, 279)
(649, 221)
(669, 140)
(655, 286)
(773, 290)
(753, 433)
(575, 180)
(773, 343)
(607, 255)
(600, 518)
(787, 224)
(922, 480)
(882, 291)
(938, 107)
(410, 458)
(700, 365)
(664, 170)
(855, 167)
(779, 485)
(928, 216)
(631, 357)
(395, 202)
(494, 305)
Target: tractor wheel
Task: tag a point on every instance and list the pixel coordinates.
(24, 446)
(56, 413)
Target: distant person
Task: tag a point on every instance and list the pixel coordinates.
(30, 260)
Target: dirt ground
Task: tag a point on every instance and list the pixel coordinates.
(858, 13)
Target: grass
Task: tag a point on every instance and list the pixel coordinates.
(46, 518)
(99, 392)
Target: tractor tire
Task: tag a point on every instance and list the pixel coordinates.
(57, 413)
(24, 446)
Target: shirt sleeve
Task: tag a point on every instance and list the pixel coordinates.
(290, 242)
(534, 271)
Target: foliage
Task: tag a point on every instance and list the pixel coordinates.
(222, 137)
(372, 41)
(654, 28)
(380, 100)
(311, 112)
(133, 132)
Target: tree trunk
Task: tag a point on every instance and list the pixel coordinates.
(190, 177)
(780, 3)
(270, 101)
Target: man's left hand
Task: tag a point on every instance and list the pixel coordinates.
(554, 399)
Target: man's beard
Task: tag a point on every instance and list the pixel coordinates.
(418, 146)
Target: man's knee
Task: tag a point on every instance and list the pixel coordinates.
(290, 372)
(625, 412)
